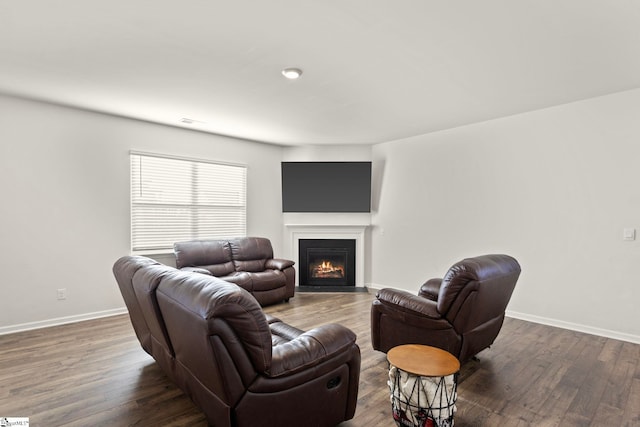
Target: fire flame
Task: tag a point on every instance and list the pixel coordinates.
(326, 268)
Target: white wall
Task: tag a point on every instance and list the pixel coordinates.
(555, 188)
(64, 216)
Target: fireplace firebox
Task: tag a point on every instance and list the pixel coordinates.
(327, 262)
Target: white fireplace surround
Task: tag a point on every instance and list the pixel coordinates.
(295, 232)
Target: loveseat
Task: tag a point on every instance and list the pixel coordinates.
(247, 261)
(240, 366)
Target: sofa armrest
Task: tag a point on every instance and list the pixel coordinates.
(310, 349)
(430, 289)
(197, 270)
(408, 303)
(278, 264)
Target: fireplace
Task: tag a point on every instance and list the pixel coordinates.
(327, 262)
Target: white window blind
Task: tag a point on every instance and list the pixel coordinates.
(174, 199)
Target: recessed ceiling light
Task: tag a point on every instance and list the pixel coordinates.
(292, 73)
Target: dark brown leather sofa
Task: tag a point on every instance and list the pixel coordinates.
(240, 366)
(247, 261)
(461, 313)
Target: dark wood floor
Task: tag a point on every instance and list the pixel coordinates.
(94, 373)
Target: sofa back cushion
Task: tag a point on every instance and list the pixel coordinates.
(476, 290)
(145, 283)
(194, 306)
(251, 253)
(124, 270)
(213, 255)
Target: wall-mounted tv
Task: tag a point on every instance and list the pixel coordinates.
(326, 186)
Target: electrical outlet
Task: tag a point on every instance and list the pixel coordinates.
(62, 293)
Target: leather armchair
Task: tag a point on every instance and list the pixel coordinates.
(461, 313)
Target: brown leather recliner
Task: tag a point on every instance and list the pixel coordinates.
(240, 366)
(246, 261)
(461, 313)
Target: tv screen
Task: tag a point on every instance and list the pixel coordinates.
(326, 186)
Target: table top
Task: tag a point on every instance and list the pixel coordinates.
(423, 360)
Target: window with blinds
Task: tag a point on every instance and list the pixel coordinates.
(175, 199)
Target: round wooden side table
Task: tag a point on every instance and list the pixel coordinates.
(423, 381)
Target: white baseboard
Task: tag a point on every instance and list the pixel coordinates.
(575, 327)
(376, 287)
(60, 321)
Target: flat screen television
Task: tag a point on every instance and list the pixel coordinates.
(326, 186)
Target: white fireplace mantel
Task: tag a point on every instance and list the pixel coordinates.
(295, 232)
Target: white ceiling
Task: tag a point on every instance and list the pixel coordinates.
(374, 70)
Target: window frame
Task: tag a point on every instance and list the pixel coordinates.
(202, 221)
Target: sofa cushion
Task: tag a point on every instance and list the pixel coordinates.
(278, 264)
(267, 280)
(489, 271)
(145, 282)
(251, 253)
(281, 332)
(190, 304)
(197, 270)
(212, 255)
(124, 270)
(240, 278)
